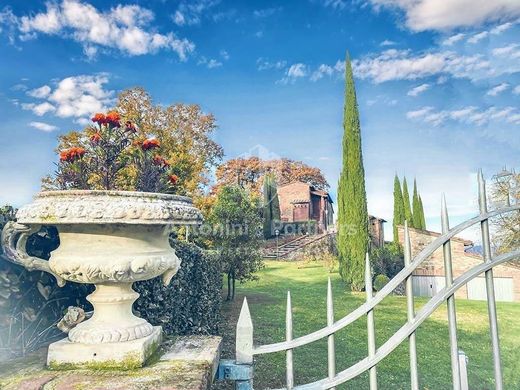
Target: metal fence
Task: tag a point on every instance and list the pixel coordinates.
(241, 369)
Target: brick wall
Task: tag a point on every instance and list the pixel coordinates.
(461, 261)
(289, 193)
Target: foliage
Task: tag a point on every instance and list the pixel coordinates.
(110, 156)
(505, 190)
(237, 234)
(380, 281)
(185, 133)
(353, 234)
(271, 206)
(406, 200)
(421, 208)
(387, 260)
(324, 251)
(249, 173)
(31, 303)
(416, 208)
(191, 303)
(121, 158)
(398, 208)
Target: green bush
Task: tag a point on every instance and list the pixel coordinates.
(380, 281)
(191, 303)
(387, 260)
(31, 302)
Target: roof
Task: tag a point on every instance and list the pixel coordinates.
(435, 234)
(379, 219)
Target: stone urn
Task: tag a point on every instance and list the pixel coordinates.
(110, 239)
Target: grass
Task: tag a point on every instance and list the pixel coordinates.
(307, 283)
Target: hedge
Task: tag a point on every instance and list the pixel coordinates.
(191, 303)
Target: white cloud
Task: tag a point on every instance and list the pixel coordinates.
(387, 42)
(498, 89)
(402, 65)
(19, 87)
(265, 64)
(74, 97)
(419, 89)
(509, 50)
(478, 37)
(43, 108)
(266, 12)
(453, 39)
(295, 71)
(209, 63)
(41, 92)
(125, 28)
(43, 126)
(327, 70)
(448, 14)
(419, 113)
(224, 54)
(335, 4)
(191, 12)
(516, 90)
(323, 70)
(468, 115)
(501, 28)
(214, 63)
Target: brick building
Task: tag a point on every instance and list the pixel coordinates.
(428, 279)
(300, 202)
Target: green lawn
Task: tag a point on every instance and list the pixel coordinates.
(307, 283)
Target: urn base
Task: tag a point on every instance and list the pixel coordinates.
(65, 355)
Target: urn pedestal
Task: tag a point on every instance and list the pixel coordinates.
(110, 239)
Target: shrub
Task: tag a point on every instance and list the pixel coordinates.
(380, 281)
(387, 260)
(324, 251)
(191, 303)
(31, 303)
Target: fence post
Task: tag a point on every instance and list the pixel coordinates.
(463, 364)
(244, 346)
(490, 289)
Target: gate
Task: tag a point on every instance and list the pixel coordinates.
(241, 369)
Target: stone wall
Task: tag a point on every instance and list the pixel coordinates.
(461, 261)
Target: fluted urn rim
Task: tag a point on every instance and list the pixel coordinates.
(109, 207)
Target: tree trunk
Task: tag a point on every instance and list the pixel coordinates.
(233, 296)
(228, 286)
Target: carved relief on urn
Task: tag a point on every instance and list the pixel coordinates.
(110, 239)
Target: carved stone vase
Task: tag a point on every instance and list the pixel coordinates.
(110, 239)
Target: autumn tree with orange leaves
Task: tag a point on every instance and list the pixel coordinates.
(249, 173)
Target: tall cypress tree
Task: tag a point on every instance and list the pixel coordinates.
(271, 204)
(416, 207)
(398, 208)
(353, 235)
(423, 219)
(406, 202)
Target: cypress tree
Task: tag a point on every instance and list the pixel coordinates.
(398, 208)
(271, 210)
(406, 201)
(416, 207)
(353, 235)
(423, 219)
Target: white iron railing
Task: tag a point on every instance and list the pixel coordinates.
(245, 350)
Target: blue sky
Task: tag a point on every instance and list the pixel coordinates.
(438, 83)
